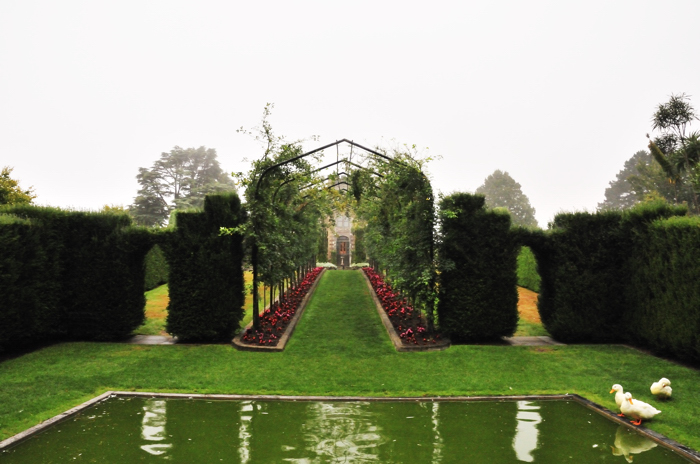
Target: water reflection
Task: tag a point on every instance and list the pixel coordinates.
(422, 432)
(437, 440)
(153, 427)
(244, 431)
(342, 432)
(629, 442)
(526, 433)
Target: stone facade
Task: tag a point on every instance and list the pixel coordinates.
(341, 241)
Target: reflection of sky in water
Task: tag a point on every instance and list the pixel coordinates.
(341, 432)
(153, 427)
(244, 431)
(437, 440)
(526, 433)
(628, 442)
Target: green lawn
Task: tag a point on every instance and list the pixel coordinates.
(530, 329)
(340, 348)
(156, 312)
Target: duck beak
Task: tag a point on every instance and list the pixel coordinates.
(612, 391)
(630, 400)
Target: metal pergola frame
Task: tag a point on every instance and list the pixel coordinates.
(255, 251)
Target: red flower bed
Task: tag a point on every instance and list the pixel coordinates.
(409, 324)
(275, 320)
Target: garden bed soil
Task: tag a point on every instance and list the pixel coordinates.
(406, 327)
(278, 321)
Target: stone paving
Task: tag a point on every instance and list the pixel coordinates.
(151, 340)
(531, 341)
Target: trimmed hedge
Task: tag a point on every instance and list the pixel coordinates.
(30, 310)
(664, 292)
(587, 262)
(582, 271)
(157, 269)
(527, 270)
(69, 274)
(206, 286)
(478, 295)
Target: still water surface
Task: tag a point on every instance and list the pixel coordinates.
(129, 430)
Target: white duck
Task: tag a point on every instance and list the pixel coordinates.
(637, 409)
(619, 396)
(662, 389)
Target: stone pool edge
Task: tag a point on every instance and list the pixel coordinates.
(24, 435)
(686, 452)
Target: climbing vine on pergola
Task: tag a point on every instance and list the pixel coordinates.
(288, 199)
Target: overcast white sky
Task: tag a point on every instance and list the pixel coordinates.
(558, 93)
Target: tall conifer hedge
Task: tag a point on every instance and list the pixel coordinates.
(664, 289)
(478, 298)
(622, 277)
(206, 285)
(67, 274)
(157, 268)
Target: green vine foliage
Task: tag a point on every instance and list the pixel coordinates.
(398, 212)
(291, 205)
(285, 218)
(286, 213)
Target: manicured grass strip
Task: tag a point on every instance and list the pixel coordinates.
(157, 304)
(341, 317)
(530, 329)
(156, 312)
(324, 359)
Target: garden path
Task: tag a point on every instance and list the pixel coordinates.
(346, 294)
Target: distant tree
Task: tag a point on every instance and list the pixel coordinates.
(642, 179)
(675, 150)
(114, 209)
(179, 179)
(501, 190)
(10, 191)
(621, 194)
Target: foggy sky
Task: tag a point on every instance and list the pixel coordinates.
(557, 93)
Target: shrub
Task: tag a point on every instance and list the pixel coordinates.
(527, 270)
(206, 285)
(327, 265)
(478, 296)
(75, 274)
(157, 268)
(581, 291)
(586, 262)
(664, 290)
(30, 283)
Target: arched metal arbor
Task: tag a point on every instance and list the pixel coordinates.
(256, 193)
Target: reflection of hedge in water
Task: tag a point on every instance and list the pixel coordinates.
(67, 274)
(206, 286)
(478, 295)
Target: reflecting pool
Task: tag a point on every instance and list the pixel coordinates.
(128, 430)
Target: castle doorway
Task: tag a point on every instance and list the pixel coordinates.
(342, 248)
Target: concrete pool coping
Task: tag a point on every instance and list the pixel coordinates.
(682, 450)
